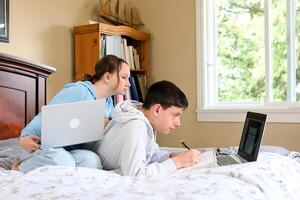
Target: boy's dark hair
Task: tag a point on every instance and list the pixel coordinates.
(166, 94)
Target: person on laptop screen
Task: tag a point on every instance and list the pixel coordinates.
(129, 145)
(110, 78)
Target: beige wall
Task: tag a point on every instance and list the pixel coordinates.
(173, 57)
(41, 30)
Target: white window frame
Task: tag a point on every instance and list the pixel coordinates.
(207, 111)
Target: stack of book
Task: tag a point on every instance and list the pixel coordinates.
(116, 45)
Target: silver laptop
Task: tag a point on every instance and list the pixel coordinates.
(250, 141)
(72, 123)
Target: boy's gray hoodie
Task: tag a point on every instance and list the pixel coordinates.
(129, 145)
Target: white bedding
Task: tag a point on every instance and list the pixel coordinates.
(272, 177)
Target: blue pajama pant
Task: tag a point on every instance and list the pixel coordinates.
(60, 156)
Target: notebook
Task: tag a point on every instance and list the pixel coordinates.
(250, 141)
(72, 123)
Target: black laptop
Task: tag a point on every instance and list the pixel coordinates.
(250, 141)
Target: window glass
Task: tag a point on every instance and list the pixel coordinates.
(240, 51)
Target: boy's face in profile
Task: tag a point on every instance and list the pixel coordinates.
(168, 119)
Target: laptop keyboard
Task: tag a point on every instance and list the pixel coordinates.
(226, 160)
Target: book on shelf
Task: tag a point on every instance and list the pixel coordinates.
(133, 89)
(138, 88)
(118, 98)
(142, 82)
(127, 95)
(131, 61)
(113, 45)
(125, 50)
(123, 55)
(136, 59)
(103, 45)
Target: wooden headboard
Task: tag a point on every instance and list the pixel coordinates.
(22, 93)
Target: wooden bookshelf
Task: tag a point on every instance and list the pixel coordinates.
(88, 46)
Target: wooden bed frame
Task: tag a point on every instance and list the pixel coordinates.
(22, 93)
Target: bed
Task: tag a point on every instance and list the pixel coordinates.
(275, 175)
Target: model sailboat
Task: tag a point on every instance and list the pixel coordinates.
(120, 16)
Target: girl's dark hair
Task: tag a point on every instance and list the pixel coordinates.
(166, 94)
(108, 63)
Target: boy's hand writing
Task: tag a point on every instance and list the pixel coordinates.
(186, 159)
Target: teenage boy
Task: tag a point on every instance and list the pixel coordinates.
(129, 145)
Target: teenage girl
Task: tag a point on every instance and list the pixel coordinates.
(110, 78)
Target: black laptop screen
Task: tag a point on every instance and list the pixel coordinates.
(251, 137)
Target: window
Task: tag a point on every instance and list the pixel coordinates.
(248, 58)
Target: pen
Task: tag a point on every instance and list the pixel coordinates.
(182, 142)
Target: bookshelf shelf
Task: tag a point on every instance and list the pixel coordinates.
(113, 30)
(88, 46)
(141, 71)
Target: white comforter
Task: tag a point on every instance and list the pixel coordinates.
(272, 177)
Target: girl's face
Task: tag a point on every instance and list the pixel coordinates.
(121, 84)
